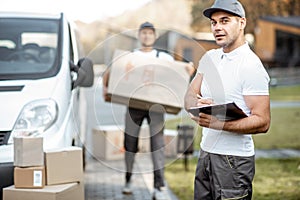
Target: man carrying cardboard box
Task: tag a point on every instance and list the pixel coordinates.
(134, 118)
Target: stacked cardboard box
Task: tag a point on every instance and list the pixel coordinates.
(29, 177)
(28, 151)
(60, 178)
(64, 165)
(69, 191)
(29, 171)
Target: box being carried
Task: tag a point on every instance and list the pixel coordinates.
(141, 82)
(64, 165)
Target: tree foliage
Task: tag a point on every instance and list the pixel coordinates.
(254, 10)
(199, 22)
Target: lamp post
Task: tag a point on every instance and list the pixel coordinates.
(185, 142)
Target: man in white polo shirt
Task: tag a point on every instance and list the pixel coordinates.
(232, 73)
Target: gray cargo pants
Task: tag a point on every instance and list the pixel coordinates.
(133, 122)
(223, 177)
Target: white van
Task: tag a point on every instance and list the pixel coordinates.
(39, 93)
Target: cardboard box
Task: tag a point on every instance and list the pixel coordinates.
(108, 142)
(143, 82)
(170, 138)
(28, 151)
(144, 139)
(29, 177)
(71, 191)
(64, 165)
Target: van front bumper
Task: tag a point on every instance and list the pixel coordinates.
(6, 175)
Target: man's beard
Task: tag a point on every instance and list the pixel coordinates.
(147, 45)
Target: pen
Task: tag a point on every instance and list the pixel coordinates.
(199, 97)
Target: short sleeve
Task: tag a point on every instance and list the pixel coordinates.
(255, 79)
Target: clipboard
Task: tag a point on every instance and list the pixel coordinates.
(224, 112)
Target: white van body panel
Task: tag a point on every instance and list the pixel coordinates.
(57, 88)
(11, 103)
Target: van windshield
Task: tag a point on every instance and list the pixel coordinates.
(28, 48)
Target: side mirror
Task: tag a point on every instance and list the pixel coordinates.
(85, 73)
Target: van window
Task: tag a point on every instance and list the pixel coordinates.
(71, 45)
(28, 48)
(41, 39)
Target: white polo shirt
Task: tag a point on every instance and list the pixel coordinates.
(229, 77)
(153, 54)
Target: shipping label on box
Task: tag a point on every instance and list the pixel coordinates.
(29, 177)
(108, 142)
(141, 82)
(64, 165)
(28, 151)
(70, 191)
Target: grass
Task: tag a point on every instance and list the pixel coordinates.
(287, 93)
(283, 133)
(284, 130)
(275, 179)
(180, 181)
(172, 124)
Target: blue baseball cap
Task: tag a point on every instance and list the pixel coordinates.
(147, 25)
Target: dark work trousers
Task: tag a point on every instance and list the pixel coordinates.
(223, 177)
(133, 122)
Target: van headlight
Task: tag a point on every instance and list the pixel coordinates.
(35, 118)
